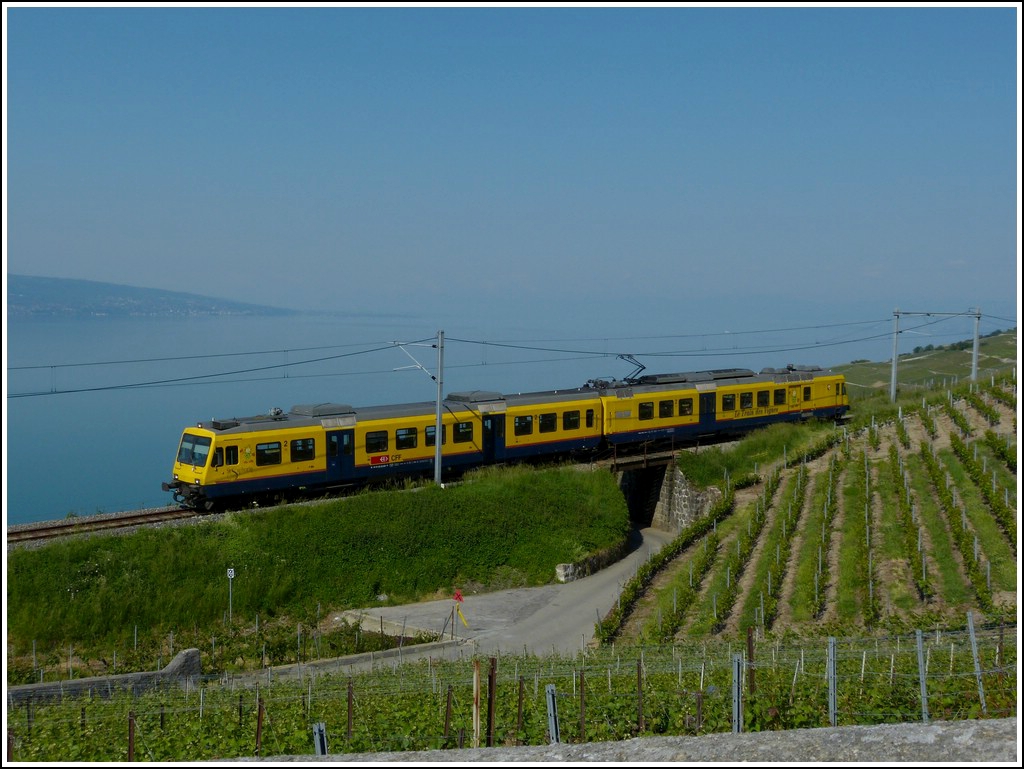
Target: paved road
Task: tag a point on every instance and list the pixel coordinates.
(557, 618)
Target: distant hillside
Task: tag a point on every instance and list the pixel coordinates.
(931, 365)
(35, 297)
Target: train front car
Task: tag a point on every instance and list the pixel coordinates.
(266, 458)
(190, 467)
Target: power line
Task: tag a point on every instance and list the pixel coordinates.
(509, 343)
(576, 354)
(195, 378)
(186, 357)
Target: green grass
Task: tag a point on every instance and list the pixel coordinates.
(502, 528)
(751, 457)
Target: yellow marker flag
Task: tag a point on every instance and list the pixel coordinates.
(459, 610)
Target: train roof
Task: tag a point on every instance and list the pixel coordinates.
(342, 414)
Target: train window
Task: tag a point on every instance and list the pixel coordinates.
(376, 442)
(463, 432)
(728, 403)
(303, 450)
(763, 398)
(405, 438)
(685, 407)
(780, 397)
(194, 449)
(646, 410)
(842, 388)
(547, 423)
(746, 400)
(218, 456)
(666, 409)
(430, 432)
(571, 420)
(590, 417)
(523, 425)
(332, 445)
(268, 454)
(807, 393)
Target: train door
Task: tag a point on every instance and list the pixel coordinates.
(340, 455)
(708, 412)
(493, 446)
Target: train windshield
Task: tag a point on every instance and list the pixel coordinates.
(194, 450)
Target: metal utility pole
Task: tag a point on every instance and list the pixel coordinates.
(895, 352)
(438, 433)
(976, 312)
(438, 428)
(977, 343)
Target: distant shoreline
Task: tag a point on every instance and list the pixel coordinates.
(30, 297)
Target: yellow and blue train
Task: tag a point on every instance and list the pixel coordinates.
(316, 448)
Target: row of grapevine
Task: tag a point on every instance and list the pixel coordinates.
(1002, 449)
(913, 539)
(771, 572)
(724, 587)
(607, 694)
(855, 584)
(958, 526)
(997, 503)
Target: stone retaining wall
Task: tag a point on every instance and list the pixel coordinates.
(184, 668)
(680, 504)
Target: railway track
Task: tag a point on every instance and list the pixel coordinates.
(49, 530)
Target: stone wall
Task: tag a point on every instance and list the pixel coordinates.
(185, 667)
(680, 504)
(567, 572)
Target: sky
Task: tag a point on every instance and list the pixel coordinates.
(682, 168)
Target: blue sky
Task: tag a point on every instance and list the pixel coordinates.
(603, 169)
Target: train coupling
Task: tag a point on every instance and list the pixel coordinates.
(175, 487)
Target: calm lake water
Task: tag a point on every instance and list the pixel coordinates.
(88, 441)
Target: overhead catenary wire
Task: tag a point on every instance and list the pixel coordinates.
(565, 353)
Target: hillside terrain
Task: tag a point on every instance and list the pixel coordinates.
(895, 598)
(30, 297)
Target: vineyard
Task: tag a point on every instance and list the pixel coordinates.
(893, 526)
(608, 694)
(839, 580)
